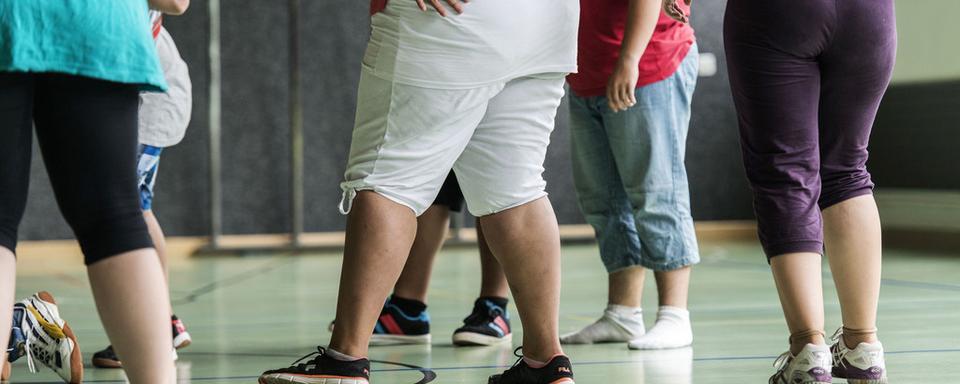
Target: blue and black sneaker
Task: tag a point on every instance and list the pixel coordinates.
(488, 324)
(402, 322)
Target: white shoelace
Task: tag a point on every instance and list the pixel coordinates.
(839, 353)
(781, 362)
(30, 364)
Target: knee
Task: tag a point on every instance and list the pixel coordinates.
(107, 229)
(844, 185)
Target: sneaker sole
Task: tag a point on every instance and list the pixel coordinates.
(76, 358)
(286, 379)
(182, 340)
(810, 382)
(106, 363)
(865, 381)
(384, 340)
(466, 339)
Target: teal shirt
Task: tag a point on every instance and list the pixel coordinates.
(103, 39)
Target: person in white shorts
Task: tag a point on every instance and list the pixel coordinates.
(163, 122)
(476, 92)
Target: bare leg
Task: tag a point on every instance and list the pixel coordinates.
(852, 237)
(159, 240)
(625, 287)
(799, 282)
(493, 283)
(673, 287)
(8, 280)
(128, 288)
(380, 234)
(414, 281)
(160, 243)
(672, 329)
(526, 241)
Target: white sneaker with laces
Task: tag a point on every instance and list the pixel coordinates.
(49, 339)
(861, 365)
(811, 366)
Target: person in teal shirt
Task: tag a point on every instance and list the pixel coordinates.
(74, 70)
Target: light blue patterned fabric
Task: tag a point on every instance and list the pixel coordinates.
(629, 173)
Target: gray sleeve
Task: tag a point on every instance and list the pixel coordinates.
(164, 117)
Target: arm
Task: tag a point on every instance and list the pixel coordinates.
(456, 4)
(641, 21)
(170, 7)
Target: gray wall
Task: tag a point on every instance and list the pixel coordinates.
(255, 123)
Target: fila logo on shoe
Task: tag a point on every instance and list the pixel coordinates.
(563, 370)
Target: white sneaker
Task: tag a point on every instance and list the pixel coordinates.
(811, 366)
(862, 365)
(49, 338)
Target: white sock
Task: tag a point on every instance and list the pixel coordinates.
(618, 323)
(337, 355)
(535, 364)
(672, 330)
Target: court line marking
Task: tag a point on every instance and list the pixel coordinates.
(464, 368)
(723, 263)
(270, 265)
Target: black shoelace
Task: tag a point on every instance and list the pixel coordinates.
(519, 354)
(320, 352)
(479, 317)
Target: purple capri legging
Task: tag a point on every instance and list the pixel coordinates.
(807, 78)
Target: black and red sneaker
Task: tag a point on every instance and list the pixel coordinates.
(488, 324)
(557, 371)
(321, 369)
(181, 338)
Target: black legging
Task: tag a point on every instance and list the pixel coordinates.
(87, 131)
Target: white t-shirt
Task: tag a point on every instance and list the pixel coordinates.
(164, 117)
(492, 41)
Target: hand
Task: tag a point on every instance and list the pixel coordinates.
(436, 4)
(170, 7)
(673, 10)
(621, 89)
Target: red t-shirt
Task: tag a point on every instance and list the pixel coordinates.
(602, 26)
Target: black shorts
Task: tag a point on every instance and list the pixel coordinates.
(450, 194)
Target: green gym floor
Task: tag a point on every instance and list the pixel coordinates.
(248, 314)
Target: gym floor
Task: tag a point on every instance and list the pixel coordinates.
(248, 314)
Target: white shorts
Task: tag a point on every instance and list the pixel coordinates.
(407, 139)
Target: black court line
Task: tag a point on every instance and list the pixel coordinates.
(270, 265)
(428, 374)
(410, 367)
(920, 284)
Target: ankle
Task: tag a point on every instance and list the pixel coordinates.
(340, 356)
(543, 355)
(852, 341)
(412, 307)
(498, 300)
(623, 310)
(799, 340)
(346, 349)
